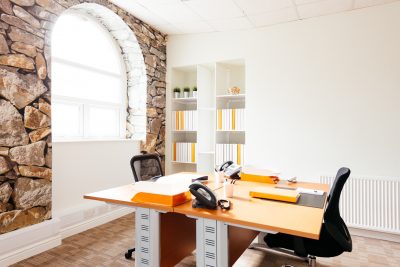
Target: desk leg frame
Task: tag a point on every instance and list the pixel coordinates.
(211, 243)
(147, 243)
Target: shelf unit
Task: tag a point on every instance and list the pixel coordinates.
(212, 81)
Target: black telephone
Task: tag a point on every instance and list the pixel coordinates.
(231, 169)
(205, 198)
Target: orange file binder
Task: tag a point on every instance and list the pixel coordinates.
(275, 194)
(167, 200)
(258, 175)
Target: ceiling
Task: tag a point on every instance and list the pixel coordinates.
(199, 16)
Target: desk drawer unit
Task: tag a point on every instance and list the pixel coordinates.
(146, 243)
(211, 247)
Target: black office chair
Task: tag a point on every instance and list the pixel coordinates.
(144, 168)
(334, 237)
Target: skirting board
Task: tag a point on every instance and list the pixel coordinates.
(21, 250)
(375, 234)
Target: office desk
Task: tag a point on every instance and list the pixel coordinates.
(165, 235)
(158, 230)
(222, 236)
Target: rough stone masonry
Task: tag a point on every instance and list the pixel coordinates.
(25, 103)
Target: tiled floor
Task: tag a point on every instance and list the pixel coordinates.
(105, 246)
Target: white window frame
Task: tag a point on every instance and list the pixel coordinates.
(84, 104)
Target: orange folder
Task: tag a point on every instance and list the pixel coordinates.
(275, 194)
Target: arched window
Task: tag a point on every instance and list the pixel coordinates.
(89, 88)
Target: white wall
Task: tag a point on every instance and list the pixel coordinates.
(85, 167)
(321, 93)
(78, 168)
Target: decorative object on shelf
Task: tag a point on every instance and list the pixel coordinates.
(186, 92)
(234, 90)
(177, 92)
(194, 92)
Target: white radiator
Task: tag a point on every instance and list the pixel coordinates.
(370, 203)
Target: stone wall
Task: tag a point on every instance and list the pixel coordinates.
(25, 103)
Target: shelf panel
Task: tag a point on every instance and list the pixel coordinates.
(239, 97)
(184, 131)
(182, 162)
(189, 100)
(230, 131)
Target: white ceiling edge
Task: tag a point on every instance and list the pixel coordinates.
(165, 15)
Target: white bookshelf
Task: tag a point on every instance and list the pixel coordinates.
(212, 81)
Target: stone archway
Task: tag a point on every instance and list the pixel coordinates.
(25, 97)
(134, 65)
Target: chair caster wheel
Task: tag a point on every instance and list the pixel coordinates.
(128, 255)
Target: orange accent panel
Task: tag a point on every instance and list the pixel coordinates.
(193, 152)
(182, 121)
(174, 151)
(219, 119)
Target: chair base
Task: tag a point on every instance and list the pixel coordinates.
(311, 260)
(128, 254)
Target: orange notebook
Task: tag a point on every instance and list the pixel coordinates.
(285, 195)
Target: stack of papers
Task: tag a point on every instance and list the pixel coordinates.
(310, 191)
(168, 190)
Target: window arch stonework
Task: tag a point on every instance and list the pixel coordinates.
(25, 94)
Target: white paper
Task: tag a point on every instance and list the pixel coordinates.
(310, 191)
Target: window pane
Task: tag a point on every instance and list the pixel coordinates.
(79, 39)
(66, 119)
(103, 122)
(73, 81)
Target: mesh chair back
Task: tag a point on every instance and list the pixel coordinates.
(332, 219)
(145, 167)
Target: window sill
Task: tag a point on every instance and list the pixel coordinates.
(57, 141)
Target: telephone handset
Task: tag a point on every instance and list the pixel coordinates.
(225, 165)
(231, 169)
(205, 198)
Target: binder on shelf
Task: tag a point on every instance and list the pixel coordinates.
(230, 119)
(184, 152)
(233, 152)
(184, 120)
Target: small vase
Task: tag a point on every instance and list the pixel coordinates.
(185, 94)
(194, 94)
(177, 94)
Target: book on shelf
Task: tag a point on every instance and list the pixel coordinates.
(233, 152)
(184, 152)
(184, 120)
(230, 119)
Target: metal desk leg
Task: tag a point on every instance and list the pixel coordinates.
(147, 243)
(211, 243)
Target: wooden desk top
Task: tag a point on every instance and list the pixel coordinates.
(245, 210)
(122, 195)
(264, 214)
